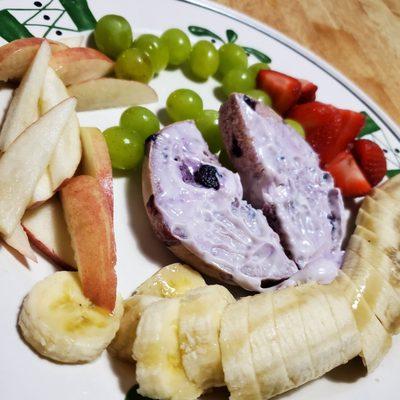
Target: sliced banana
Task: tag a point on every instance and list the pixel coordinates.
(269, 365)
(159, 370)
(237, 358)
(374, 289)
(122, 345)
(375, 341)
(171, 281)
(292, 337)
(343, 317)
(60, 323)
(199, 328)
(391, 187)
(320, 329)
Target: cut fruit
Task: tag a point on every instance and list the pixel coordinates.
(18, 240)
(89, 223)
(60, 323)
(174, 280)
(159, 371)
(17, 56)
(269, 365)
(80, 64)
(43, 190)
(292, 337)
(23, 109)
(47, 231)
(199, 328)
(68, 152)
(237, 358)
(25, 162)
(73, 41)
(375, 341)
(122, 344)
(110, 92)
(96, 161)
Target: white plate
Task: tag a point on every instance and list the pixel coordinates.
(24, 375)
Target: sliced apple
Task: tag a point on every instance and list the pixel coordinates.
(96, 161)
(111, 92)
(79, 64)
(17, 56)
(18, 240)
(22, 165)
(43, 190)
(23, 109)
(68, 152)
(73, 41)
(47, 231)
(89, 222)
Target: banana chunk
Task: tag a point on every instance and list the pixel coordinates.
(171, 281)
(374, 289)
(60, 323)
(237, 358)
(199, 328)
(375, 341)
(159, 370)
(268, 361)
(122, 345)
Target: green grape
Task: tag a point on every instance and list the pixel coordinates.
(140, 120)
(207, 123)
(134, 64)
(237, 80)
(256, 68)
(126, 147)
(259, 95)
(155, 49)
(178, 45)
(296, 126)
(184, 104)
(113, 35)
(231, 56)
(204, 59)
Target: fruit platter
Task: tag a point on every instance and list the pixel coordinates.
(191, 206)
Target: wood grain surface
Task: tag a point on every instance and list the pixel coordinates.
(361, 38)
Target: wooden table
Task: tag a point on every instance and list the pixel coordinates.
(361, 38)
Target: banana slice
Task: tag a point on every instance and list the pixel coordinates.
(159, 370)
(237, 359)
(269, 365)
(343, 317)
(60, 323)
(122, 345)
(199, 328)
(374, 289)
(292, 337)
(391, 187)
(320, 329)
(375, 341)
(171, 281)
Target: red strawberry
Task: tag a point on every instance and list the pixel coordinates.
(371, 159)
(307, 92)
(329, 130)
(348, 175)
(283, 89)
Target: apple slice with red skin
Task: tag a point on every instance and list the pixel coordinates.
(17, 56)
(96, 161)
(80, 64)
(89, 222)
(47, 231)
(23, 109)
(111, 92)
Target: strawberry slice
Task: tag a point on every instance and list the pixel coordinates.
(307, 92)
(371, 159)
(283, 89)
(348, 176)
(329, 130)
